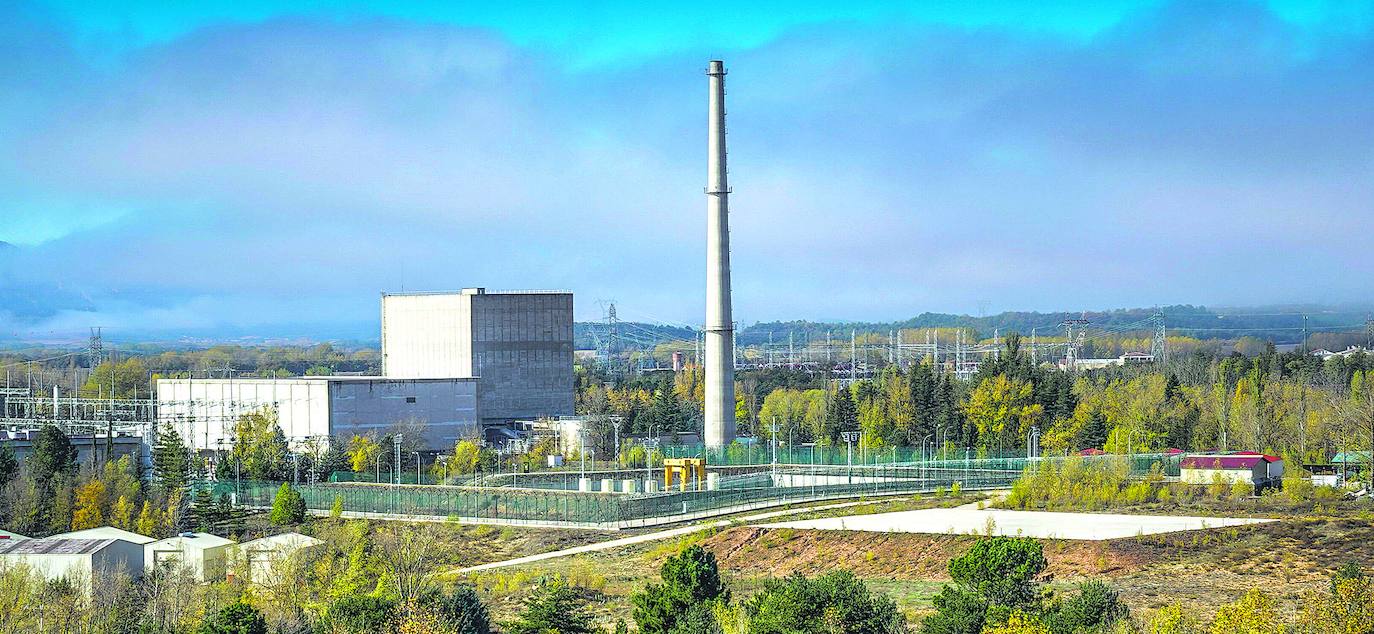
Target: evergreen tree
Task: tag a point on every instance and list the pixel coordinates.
(288, 507)
(460, 609)
(9, 466)
(553, 607)
(841, 415)
(1094, 432)
(171, 461)
(923, 398)
(53, 455)
(691, 579)
(836, 602)
(204, 511)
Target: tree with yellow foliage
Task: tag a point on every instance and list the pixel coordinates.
(90, 499)
(1002, 409)
(121, 513)
(362, 451)
(147, 520)
(1171, 619)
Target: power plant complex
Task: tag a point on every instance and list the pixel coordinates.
(454, 364)
(459, 363)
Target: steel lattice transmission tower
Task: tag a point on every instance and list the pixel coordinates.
(95, 349)
(1159, 346)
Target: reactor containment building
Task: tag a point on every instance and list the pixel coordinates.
(455, 363)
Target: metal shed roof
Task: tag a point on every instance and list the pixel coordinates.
(52, 546)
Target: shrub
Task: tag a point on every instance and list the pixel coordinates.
(360, 614)
(1003, 570)
(1095, 605)
(836, 602)
(1171, 619)
(459, 609)
(690, 578)
(288, 507)
(235, 618)
(1019, 623)
(553, 607)
(1254, 613)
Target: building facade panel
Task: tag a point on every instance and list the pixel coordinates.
(445, 409)
(427, 336)
(523, 353)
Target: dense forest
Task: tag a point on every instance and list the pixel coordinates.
(1291, 403)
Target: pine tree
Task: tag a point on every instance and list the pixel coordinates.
(171, 461)
(53, 455)
(288, 507)
(842, 414)
(8, 464)
(204, 512)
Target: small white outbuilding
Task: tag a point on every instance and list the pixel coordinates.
(262, 555)
(75, 559)
(203, 553)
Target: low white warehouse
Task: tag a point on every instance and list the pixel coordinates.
(203, 553)
(261, 556)
(77, 560)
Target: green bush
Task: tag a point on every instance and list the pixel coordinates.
(836, 602)
(288, 507)
(460, 609)
(235, 618)
(553, 607)
(360, 615)
(691, 578)
(1096, 605)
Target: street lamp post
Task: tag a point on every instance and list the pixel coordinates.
(417, 466)
(849, 438)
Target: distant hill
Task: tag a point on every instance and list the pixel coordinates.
(1281, 324)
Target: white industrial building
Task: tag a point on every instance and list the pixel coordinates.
(79, 560)
(262, 555)
(203, 411)
(451, 362)
(203, 553)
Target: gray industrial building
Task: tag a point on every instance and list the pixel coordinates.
(517, 344)
(451, 362)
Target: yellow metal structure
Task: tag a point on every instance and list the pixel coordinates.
(683, 468)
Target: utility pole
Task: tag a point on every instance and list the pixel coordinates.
(853, 356)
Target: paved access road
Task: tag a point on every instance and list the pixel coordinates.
(649, 537)
(966, 520)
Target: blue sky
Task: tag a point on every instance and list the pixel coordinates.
(270, 167)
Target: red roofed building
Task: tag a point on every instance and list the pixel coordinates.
(1092, 451)
(1248, 467)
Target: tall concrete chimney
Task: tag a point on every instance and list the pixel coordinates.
(720, 343)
